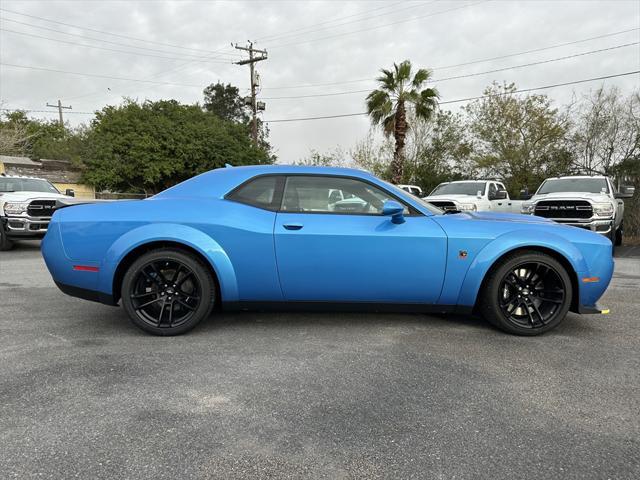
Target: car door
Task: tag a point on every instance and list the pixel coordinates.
(348, 251)
(498, 204)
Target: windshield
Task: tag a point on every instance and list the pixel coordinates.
(587, 185)
(462, 188)
(10, 184)
(401, 193)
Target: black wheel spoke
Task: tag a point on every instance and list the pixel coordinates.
(142, 295)
(155, 300)
(185, 305)
(176, 274)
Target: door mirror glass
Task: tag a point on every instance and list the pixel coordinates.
(394, 210)
(70, 192)
(500, 195)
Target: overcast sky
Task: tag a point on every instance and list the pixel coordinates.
(339, 45)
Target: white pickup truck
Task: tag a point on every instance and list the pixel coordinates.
(473, 195)
(589, 202)
(26, 207)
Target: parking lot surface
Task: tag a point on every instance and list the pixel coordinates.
(85, 394)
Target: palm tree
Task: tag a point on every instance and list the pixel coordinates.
(387, 106)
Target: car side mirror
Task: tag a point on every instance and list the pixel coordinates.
(625, 192)
(70, 192)
(524, 195)
(395, 210)
(500, 195)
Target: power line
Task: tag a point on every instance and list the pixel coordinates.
(269, 37)
(460, 7)
(199, 57)
(460, 100)
(84, 74)
(106, 33)
(278, 37)
(471, 62)
(350, 92)
(106, 48)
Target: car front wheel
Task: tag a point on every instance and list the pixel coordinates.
(168, 292)
(526, 293)
(5, 243)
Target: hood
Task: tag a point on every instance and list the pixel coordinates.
(594, 197)
(453, 197)
(24, 196)
(507, 217)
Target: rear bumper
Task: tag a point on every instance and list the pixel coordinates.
(85, 294)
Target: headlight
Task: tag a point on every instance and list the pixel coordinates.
(527, 208)
(467, 206)
(603, 209)
(13, 208)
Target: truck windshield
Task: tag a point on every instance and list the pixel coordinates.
(587, 185)
(463, 188)
(11, 184)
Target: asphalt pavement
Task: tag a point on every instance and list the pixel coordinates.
(85, 394)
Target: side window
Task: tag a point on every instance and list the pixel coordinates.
(492, 191)
(261, 192)
(333, 195)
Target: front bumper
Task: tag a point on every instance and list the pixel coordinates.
(598, 226)
(597, 310)
(25, 227)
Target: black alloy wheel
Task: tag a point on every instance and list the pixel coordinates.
(528, 293)
(168, 292)
(531, 294)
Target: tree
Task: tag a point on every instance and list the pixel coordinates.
(606, 130)
(522, 140)
(439, 150)
(150, 146)
(330, 159)
(387, 106)
(36, 139)
(225, 102)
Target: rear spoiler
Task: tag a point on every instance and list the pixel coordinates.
(71, 202)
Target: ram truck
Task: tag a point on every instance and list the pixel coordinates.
(473, 196)
(26, 207)
(589, 202)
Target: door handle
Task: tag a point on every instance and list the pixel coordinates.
(292, 226)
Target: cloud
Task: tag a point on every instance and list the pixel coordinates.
(308, 43)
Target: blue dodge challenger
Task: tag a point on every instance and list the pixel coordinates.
(315, 237)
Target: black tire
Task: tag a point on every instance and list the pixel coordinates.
(5, 243)
(172, 285)
(526, 293)
(619, 235)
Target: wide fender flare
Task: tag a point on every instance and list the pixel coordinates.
(508, 242)
(172, 232)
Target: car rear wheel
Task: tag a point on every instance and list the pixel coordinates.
(527, 293)
(168, 292)
(5, 243)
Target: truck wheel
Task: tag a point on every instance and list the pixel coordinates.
(5, 243)
(526, 293)
(168, 292)
(619, 235)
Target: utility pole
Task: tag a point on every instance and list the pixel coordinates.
(254, 104)
(59, 106)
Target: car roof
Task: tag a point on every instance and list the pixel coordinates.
(578, 176)
(220, 181)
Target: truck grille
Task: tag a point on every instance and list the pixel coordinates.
(564, 209)
(446, 206)
(41, 208)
